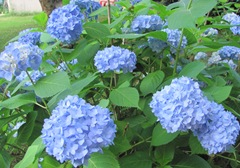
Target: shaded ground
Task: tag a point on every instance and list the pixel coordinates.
(10, 26)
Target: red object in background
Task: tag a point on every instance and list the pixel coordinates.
(105, 2)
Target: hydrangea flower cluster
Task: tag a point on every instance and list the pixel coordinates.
(210, 32)
(233, 19)
(65, 23)
(146, 23)
(200, 56)
(220, 130)
(173, 38)
(77, 129)
(86, 6)
(115, 59)
(181, 106)
(63, 66)
(35, 76)
(156, 45)
(133, 2)
(26, 36)
(229, 52)
(17, 57)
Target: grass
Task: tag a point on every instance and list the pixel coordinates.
(11, 25)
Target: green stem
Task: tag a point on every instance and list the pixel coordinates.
(45, 104)
(64, 60)
(228, 158)
(143, 141)
(178, 53)
(14, 146)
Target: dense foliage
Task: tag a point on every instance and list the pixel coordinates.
(139, 84)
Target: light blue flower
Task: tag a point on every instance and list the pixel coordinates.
(200, 56)
(220, 130)
(180, 106)
(146, 23)
(64, 67)
(133, 2)
(17, 57)
(26, 36)
(77, 129)
(65, 23)
(230, 17)
(210, 32)
(35, 76)
(214, 59)
(236, 29)
(86, 6)
(115, 59)
(173, 39)
(156, 45)
(229, 52)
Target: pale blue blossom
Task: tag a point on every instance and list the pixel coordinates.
(229, 52)
(27, 36)
(200, 56)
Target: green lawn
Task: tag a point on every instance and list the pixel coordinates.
(10, 26)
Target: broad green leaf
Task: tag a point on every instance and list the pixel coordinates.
(79, 47)
(25, 131)
(126, 36)
(164, 154)
(118, 20)
(50, 162)
(6, 120)
(192, 69)
(46, 38)
(76, 87)
(193, 161)
(151, 82)
(88, 52)
(218, 93)
(102, 160)
(104, 103)
(136, 160)
(41, 19)
(196, 147)
(65, 2)
(19, 100)
(191, 39)
(161, 137)
(158, 35)
(99, 11)
(181, 19)
(136, 120)
(127, 97)
(121, 144)
(32, 152)
(97, 30)
(5, 159)
(51, 85)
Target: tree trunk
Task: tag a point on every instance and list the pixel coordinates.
(49, 5)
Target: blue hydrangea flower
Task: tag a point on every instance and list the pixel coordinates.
(230, 63)
(156, 45)
(26, 36)
(65, 23)
(35, 76)
(18, 57)
(86, 6)
(214, 59)
(220, 130)
(180, 106)
(229, 52)
(115, 59)
(173, 39)
(63, 66)
(133, 2)
(210, 32)
(236, 29)
(77, 129)
(230, 17)
(146, 23)
(200, 56)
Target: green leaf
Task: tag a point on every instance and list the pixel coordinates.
(193, 161)
(32, 152)
(46, 38)
(218, 93)
(136, 160)
(158, 35)
(97, 30)
(191, 39)
(192, 69)
(126, 36)
(41, 19)
(127, 97)
(50, 162)
(25, 131)
(6, 120)
(103, 9)
(51, 85)
(88, 52)
(196, 147)
(19, 100)
(104, 103)
(5, 159)
(65, 2)
(181, 19)
(121, 144)
(151, 82)
(164, 154)
(79, 47)
(118, 20)
(135, 120)
(161, 137)
(102, 160)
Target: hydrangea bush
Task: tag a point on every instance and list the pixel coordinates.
(142, 85)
